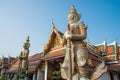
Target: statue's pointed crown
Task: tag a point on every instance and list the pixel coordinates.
(27, 43)
(28, 39)
(72, 10)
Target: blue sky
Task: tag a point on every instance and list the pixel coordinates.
(22, 18)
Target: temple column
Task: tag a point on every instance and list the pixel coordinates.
(46, 70)
(34, 76)
(40, 75)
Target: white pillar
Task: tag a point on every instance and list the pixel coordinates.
(34, 76)
(40, 75)
(46, 70)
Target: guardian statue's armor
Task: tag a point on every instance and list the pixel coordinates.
(76, 34)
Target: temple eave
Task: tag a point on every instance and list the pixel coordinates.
(55, 57)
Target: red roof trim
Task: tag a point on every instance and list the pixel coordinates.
(55, 57)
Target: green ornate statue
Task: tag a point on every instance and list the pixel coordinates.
(23, 61)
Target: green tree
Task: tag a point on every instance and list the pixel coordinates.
(56, 75)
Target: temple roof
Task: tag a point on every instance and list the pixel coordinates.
(110, 53)
(14, 66)
(6, 62)
(53, 53)
(97, 53)
(33, 63)
(58, 53)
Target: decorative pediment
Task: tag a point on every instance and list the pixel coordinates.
(55, 40)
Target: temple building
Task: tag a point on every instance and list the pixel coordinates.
(5, 63)
(103, 61)
(34, 63)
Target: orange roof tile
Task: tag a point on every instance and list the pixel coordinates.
(110, 49)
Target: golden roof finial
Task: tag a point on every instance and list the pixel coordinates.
(53, 24)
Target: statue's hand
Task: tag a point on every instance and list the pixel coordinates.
(68, 35)
(20, 57)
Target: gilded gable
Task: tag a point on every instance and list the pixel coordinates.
(55, 41)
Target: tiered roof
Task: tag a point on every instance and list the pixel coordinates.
(33, 63)
(110, 51)
(111, 54)
(5, 62)
(55, 54)
(14, 66)
(58, 51)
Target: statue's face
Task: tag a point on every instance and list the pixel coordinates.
(26, 46)
(72, 18)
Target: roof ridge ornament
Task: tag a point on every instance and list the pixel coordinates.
(53, 24)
